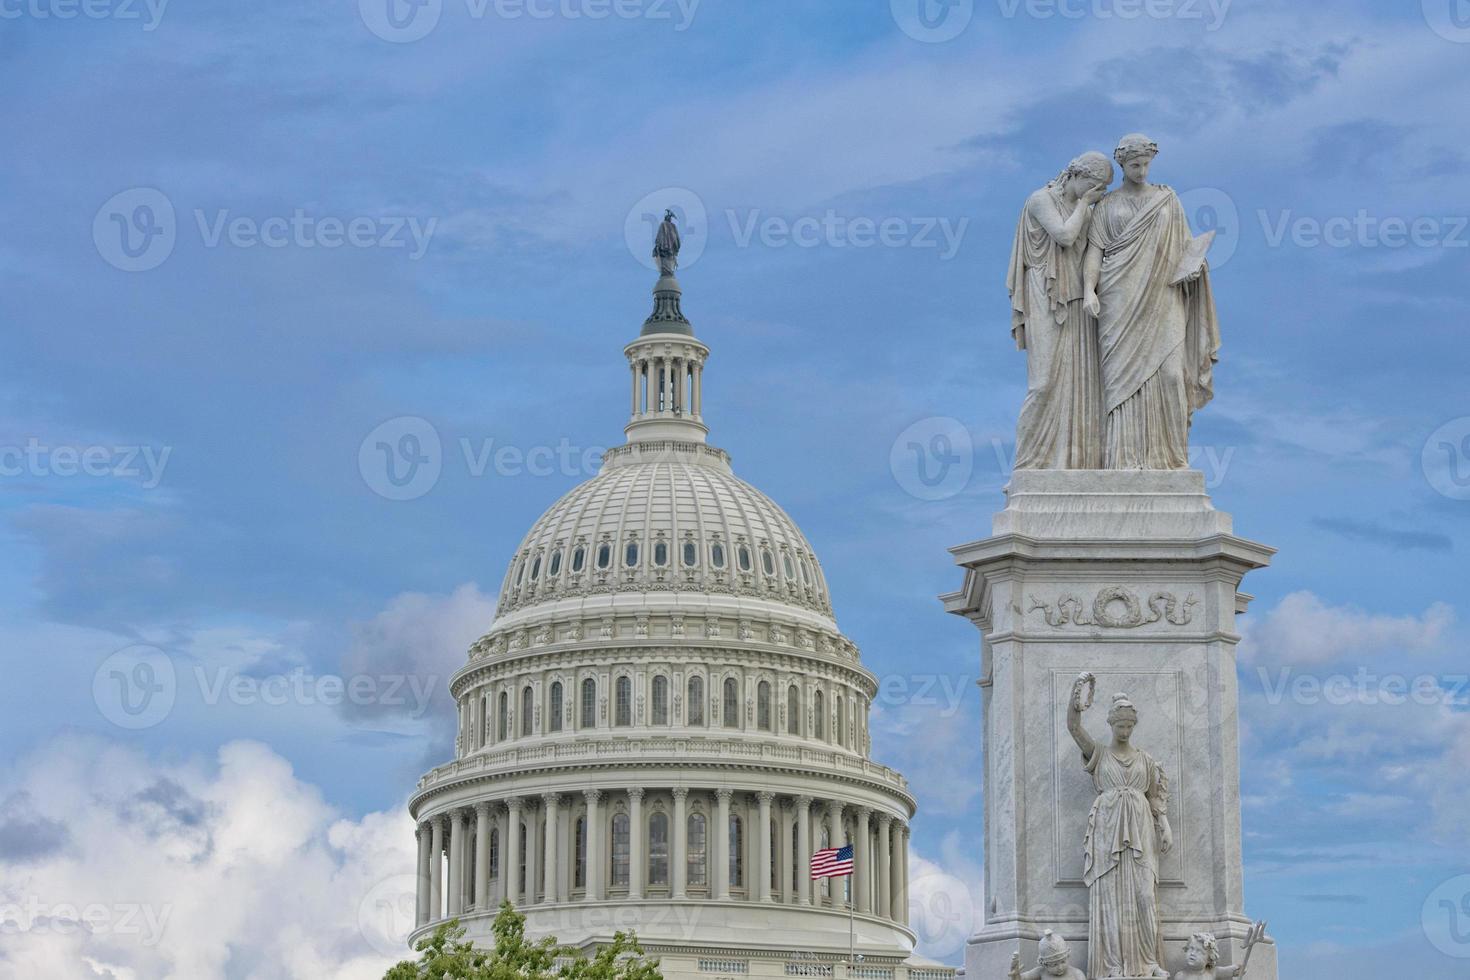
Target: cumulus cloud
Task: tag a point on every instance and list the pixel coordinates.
(199, 869)
(946, 897)
(1304, 631)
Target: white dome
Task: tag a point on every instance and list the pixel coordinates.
(665, 517)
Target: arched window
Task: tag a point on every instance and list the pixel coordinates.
(495, 852)
(691, 554)
(579, 558)
(763, 706)
(660, 700)
(717, 555)
(730, 710)
(526, 710)
(819, 715)
(658, 849)
(841, 731)
(620, 842)
(589, 703)
(737, 852)
(630, 554)
(623, 692)
(661, 554)
(502, 718)
(698, 848)
(579, 859)
(742, 555)
(554, 565)
(696, 700)
(604, 555)
(553, 720)
(793, 710)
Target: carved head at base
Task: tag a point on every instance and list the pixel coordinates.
(1202, 952)
(1052, 954)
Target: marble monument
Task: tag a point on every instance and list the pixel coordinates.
(1116, 857)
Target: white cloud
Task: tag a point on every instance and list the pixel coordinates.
(946, 897)
(1303, 631)
(196, 870)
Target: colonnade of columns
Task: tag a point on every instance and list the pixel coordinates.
(649, 843)
(667, 385)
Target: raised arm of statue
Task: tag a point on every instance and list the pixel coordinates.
(1079, 702)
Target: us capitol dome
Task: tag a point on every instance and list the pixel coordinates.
(664, 721)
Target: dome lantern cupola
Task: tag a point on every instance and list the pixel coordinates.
(667, 360)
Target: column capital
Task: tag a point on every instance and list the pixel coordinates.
(803, 803)
(635, 793)
(514, 803)
(765, 797)
(484, 807)
(883, 818)
(446, 818)
(594, 796)
(723, 794)
(681, 792)
(551, 799)
(863, 812)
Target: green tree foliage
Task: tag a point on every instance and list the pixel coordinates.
(447, 955)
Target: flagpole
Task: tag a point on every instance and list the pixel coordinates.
(850, 930)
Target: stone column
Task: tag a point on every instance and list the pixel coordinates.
(457, 831)
(763, 854)
(634, 366)
(551, 804)
(803, 850)
(510, 858)
(785, 842)
(668, 384)
(482, 856)
(895, 863)
(903, 878)
(636, 838)
(499, 829)
(422, 834)
(885, 877)
(722, 844)
(533, 852)
(698, 389)
(862, 882)
(595, 871)
(679, 851)
(436, 869)
(835, 836)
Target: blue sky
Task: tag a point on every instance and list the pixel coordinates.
(494, 171)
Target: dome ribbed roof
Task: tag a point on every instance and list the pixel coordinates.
(665, 517)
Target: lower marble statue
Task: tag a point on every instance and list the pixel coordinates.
(1202, 956)
(1052, 961)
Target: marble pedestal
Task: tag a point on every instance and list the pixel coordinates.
(1134, 576)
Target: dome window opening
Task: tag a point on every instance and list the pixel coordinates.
(790, 568)
(691, 554)
(743, 556)
(696, 701)
(630, 554)
(768, 562)
(579, 559)
(661, 554)
(604, 556)
(806, 573)
(536, 568)
(553, 716)
(520, 571)
(624, 703)
(553, 567)
(717, 555)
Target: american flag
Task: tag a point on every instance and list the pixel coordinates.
(832, 862)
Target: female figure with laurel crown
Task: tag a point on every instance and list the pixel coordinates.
(1127, 829)
(1061, 419)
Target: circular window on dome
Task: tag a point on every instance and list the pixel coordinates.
(660, 554)
(790, 569)
(768, 563)
(604, 556)
(579, 559)
(630, 554)
(717, 555)
(554, 566)
(691, 554)
(743, 556)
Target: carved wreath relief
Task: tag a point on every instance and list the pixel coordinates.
(1115, 607)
